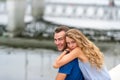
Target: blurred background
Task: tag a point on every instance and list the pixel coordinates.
(27, 49)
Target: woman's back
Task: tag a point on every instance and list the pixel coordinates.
(92, 73)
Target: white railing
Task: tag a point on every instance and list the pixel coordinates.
(82, 11)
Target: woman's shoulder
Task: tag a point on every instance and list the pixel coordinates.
(77, 49)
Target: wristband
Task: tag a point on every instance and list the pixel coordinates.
(67, 51)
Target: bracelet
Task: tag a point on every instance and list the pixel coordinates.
(67, 51)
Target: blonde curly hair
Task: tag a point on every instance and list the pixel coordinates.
(92, 52)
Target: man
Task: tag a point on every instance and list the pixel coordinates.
(70, 71)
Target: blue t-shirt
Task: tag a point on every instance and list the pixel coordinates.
(72, 70)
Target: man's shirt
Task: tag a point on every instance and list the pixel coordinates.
(72, 70)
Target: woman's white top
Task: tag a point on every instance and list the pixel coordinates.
(91, 73)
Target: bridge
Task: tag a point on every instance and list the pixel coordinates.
(98, 14)
(14, 14)
(93, 16)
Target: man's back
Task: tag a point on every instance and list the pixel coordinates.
(72, 70)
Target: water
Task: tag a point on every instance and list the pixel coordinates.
(26, 64)
(36, 64)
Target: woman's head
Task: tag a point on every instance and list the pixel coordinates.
(71, 43)
(93, 53)
(78, 37)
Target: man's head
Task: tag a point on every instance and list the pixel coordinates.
(59, 37)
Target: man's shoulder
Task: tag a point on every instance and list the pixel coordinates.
(70, 64)
(66, 69)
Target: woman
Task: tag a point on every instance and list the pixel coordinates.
(91, 59)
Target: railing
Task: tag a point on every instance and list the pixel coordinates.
(91, 11)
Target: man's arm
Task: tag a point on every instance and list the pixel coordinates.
(60, 76)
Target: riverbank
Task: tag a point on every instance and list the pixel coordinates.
(49, 44)
(27, 43)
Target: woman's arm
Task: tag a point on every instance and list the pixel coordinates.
(56, 65)
(64, 58)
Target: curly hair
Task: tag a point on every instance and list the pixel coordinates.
(92, 52)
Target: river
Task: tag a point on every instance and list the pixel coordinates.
(36, 64)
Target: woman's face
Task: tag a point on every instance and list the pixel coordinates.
(71, 43)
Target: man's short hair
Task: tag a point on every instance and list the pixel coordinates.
(61, 28)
